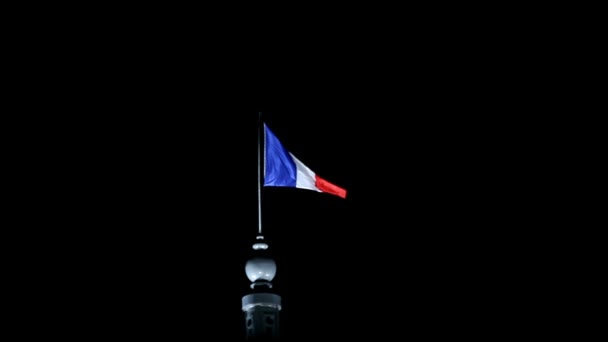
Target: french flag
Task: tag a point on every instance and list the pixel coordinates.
(283, 169)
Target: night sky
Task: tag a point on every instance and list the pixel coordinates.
(150, 182)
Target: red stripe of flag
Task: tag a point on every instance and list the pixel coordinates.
(326, 186)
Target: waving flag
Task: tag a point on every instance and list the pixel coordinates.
(283, 169)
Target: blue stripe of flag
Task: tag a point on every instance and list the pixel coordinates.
(280, 167)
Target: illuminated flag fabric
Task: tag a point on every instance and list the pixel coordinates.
(283, 169)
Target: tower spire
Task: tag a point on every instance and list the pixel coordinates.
(261, 307)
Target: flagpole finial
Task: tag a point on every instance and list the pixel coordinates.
(261, 267)
(260, 244)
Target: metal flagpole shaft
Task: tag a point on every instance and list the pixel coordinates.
(259, 176)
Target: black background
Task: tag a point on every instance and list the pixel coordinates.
(144, 182)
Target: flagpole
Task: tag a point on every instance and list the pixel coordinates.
(259, 176)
